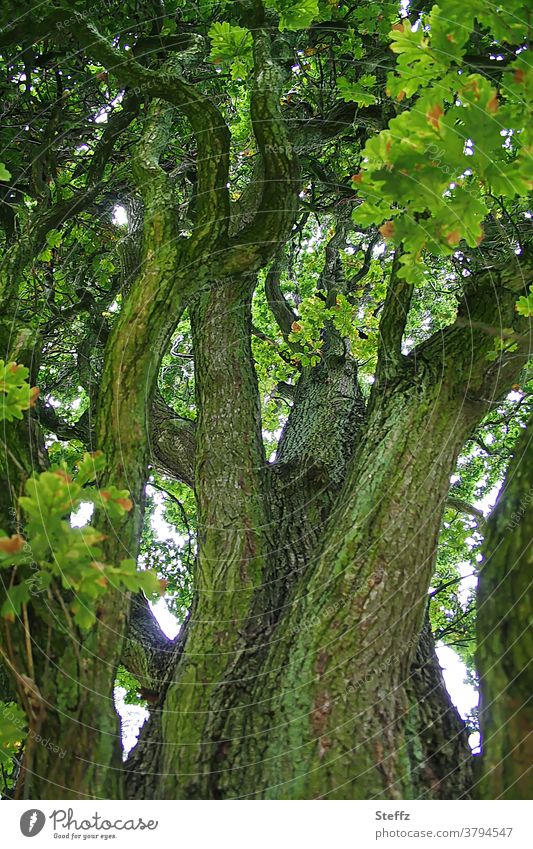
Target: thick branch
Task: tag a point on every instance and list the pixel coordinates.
(210, 130)
(392, 324)
(462, 354)
(173, 443)
(276, 214)
(340, 118)
(147, 651)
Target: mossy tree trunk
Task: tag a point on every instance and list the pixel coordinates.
(326, 682)
(78, 671)
(505, 635)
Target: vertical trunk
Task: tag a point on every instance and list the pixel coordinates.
(505, 635)
(332, 690)
(322, 697)
(232, 526)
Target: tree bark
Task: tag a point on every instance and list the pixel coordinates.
(325, 686)
(505, 635)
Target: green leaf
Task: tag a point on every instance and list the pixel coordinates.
(13, 730)
(53, 238)
(231, 46)
(16, 395)
(4, 173)
(17, 595)
(355, 92)
(524, 304)
(84, 617)
(295, 14)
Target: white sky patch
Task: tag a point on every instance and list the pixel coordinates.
(82, 516)
(489, 500)
(162, 529)
(120, 216)
(469, 582)
(463, 695)
(168, 622)
(132, 719)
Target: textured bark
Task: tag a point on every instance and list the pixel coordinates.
(232, 522)
(331, 693)
(306, 668)
(505, 635)
(172, 442)
(437, 738)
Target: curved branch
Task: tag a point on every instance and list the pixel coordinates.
(363, 271)
(277, 302)
(465, 507)
(173, 441)
(210, 130)
(147, 651)
(462, 352)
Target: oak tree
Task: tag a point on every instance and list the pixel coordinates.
(268, 265)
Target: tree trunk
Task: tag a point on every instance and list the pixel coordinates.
(311, 690)
(505, 635)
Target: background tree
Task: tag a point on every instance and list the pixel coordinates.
(273, 261)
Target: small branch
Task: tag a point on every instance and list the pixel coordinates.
(62, 429)
(447, 584)
(277, 302)
(118, 121)
(363, 271)
(465, 507)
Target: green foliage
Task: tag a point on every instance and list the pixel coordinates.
(131, 685)
(231, 47)
(358, 92)
(16, 395)
(53, 554)
(524, 304)
(171, 556)
(295, 14)
(429, 179)
(452, 596)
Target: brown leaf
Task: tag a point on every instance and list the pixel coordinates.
(387, 229)
(12, 544)
(434, 115)
(126, 503)
(493, 104)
